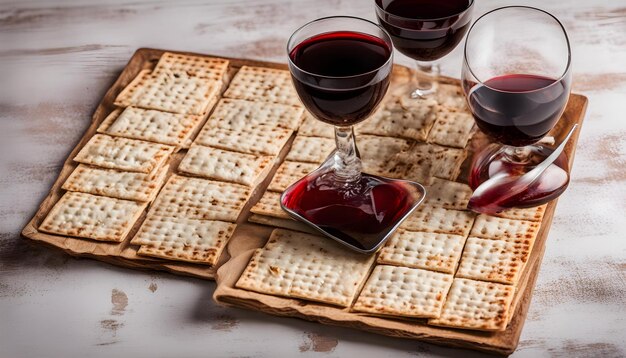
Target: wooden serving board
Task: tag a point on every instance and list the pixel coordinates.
(504, 343)
(251, 236)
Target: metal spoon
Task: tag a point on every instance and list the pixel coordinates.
(520, 184)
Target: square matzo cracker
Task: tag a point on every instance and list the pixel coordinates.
(491, 227)
(476, 305)
(429, 251)
(289, 173)
(233, 167)
(192, 66)
(93, 217)
(410, 119)
(306, 266)
(453, 129)
(448, 194)
(312, 127)
(182, 239)
(494, 260)
(195, 198)
(116, 184)
(236, 114)
(123, 154)
(437, 219)
(405, 292)
(375, 148)
(310, 149)
(264, 85)
(254, 139)
(408, 166)
(269, 205)
(378, 152)
(166, 92)
(530, 214)
(451, 97)
(151, 125)
(449, 160)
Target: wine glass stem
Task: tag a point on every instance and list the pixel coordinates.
(347, 166)
(425, 79)
(517, 155)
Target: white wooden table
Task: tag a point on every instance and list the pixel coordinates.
(57, 58)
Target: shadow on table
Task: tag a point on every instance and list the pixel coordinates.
(17, 254)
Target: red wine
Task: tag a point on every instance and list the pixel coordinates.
(356, 219)
(341, 76)
(517, 109)
(424, 30)
(550, 184)
(424, 9)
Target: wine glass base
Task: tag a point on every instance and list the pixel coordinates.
(361, 215)
(497, 162)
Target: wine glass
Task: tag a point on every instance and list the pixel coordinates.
(341, 68)
(516, 77)
(425, 30)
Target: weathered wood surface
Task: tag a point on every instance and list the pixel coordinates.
(57, 58)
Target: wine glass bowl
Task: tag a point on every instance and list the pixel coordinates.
(340, 76)
(516, 74)
(425, 31)
(516, 77)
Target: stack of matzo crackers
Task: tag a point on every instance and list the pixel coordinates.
(445, 265)
(160, 115)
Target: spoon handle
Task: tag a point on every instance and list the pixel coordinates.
(530, 177)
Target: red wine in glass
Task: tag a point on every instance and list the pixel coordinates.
(517, 109)
(346, 86)
(341, 77)
(424, 30)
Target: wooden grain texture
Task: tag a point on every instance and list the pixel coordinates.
(58, 57)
